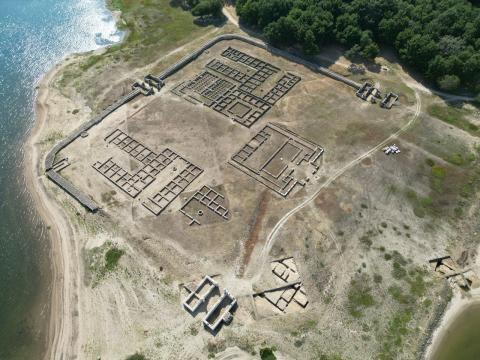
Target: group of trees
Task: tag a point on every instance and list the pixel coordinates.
(439, 38)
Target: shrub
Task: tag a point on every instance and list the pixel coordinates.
(207, 7)
(112, 257)
(136, 356)
(267, 354)
(449, 82)
(359, 296)
(429, 162)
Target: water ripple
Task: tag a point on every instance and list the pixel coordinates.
(34, 35)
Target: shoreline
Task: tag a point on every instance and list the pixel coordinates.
(457, 305)
(62, 333)
(59, 328)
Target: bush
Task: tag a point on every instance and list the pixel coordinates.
(438, 172)
(207, 7)
(398, 272)
(449, 82)
(430, 162)
(136, 356)
(456, 159)
(267, 354)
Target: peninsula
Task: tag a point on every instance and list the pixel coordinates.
(212, 193)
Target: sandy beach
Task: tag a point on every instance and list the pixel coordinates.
(61, 339)
(459, 302)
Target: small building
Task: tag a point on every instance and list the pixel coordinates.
(197, 297)
(221, 312)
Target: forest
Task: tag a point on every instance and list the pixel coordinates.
(440, 39)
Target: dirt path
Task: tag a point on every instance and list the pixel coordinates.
(228, 11)
(278, 226)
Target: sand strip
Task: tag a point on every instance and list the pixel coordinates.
(64, 269)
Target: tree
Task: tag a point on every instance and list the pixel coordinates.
(207, 7)
(449, 82)
(418, 51)
(309, 43)
(281, 32)
(370, 51)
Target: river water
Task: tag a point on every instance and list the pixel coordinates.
(34, 35)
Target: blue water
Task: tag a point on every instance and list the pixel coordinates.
(34, 35)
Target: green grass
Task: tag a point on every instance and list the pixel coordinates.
(152, 25)
(460, 159)
(112, 257)
(102, 260)
(91, 61)
(421, 205)
(438, 172)
(396, 330)
(453, 116)
(359, 296)
(418, 286)
(399, 295)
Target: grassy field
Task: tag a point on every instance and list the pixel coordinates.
(152, 26)
(454, 116)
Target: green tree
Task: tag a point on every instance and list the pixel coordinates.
(282, 31)
(208, 7)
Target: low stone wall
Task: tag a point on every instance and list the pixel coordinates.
(314, 67)
(50, 159)
(66, 185)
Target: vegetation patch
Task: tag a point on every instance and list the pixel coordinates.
(102, 260)
(359, 295)
(54, 136)
(267, 354)
(399, 295)
(324, 356)
(136, 356)
(112, 257)
(396, 330)
(453, 116)
(151, 25)
(152, 29)
(421, 205)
